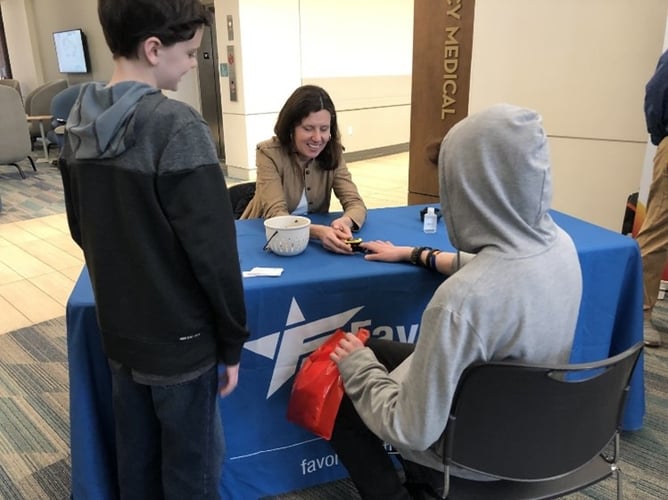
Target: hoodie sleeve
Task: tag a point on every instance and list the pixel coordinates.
(656, 101)
(409, 407)
(197, 205)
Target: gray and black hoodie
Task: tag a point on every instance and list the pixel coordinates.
(517, 298)
(147, 202)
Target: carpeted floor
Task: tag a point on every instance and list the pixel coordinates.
(34, 414)
(34, 434)
(38, 195)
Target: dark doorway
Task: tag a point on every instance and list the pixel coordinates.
(209, 84)
(5, 68)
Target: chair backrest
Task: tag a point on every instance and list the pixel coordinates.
(38, 102)
(15, 84)
(240, 196)
(526, 422)
(14, 138)
(62, 102)
(61, 105)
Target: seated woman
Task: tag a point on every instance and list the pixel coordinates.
(298, 168)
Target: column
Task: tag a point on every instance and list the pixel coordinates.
(442, 45)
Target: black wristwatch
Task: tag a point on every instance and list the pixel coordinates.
(415, 254)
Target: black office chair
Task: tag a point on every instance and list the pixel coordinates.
(544, 431)
(240, 196)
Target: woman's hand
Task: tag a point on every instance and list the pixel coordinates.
(343, 225)
(331, 239)
(386, 251)
(347, 345)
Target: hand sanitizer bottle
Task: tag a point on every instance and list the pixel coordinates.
(429, 224)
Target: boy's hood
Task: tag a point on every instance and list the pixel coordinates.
(495, 182)
(99, 120)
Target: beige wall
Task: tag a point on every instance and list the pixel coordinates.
(367, 65)
(373, 111)
(39, 65)
(22, 43)
(581, 63)
(32, 53)
(363, 60)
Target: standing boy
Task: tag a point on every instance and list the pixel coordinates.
(147, 202)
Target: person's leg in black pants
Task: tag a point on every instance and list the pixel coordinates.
(362, 452)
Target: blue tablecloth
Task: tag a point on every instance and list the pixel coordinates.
(290, 315)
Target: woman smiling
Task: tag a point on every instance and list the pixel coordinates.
(300, 166)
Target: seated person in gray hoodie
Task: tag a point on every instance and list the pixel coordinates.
(518, 297)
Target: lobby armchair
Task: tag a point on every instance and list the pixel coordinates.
(15, 84)
(38, 103)
(15, 142)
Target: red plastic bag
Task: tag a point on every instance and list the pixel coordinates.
(318, 388)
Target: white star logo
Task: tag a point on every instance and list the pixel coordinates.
(297, 342)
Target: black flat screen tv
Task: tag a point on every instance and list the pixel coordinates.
(71, 51)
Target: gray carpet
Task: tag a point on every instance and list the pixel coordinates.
(34, 435)
(34, 414)
(38, 195)
(660, 318)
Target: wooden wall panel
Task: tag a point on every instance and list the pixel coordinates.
(442, 46)
(420, 199)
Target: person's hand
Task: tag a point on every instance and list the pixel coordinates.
(386, 251)
(331, 239)
(227, 381)
(343, 226)
(347, 345)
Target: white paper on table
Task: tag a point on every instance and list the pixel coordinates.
(263, 271)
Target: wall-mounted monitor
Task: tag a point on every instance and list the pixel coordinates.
(71, 51)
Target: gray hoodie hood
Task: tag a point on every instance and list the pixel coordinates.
(495, 182)
(101, 117)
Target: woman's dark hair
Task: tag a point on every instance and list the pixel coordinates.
(305, 100)
(127, 23)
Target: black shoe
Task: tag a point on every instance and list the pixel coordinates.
(651, 336)
(421, 491)
(422, 480)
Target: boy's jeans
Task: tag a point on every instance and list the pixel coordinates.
(169, 440)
